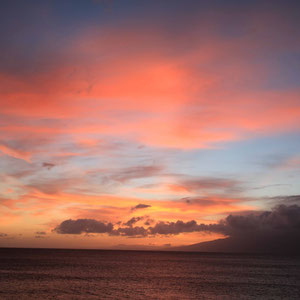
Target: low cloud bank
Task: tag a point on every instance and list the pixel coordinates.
(282, 222)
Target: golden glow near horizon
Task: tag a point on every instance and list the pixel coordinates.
(144, 114)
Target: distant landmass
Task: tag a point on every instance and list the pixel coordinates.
(244, 245)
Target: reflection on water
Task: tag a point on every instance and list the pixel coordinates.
(93, 274)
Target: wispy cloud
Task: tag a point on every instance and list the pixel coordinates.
(140, 206)
(15, 153)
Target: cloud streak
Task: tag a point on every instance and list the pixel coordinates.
(140, 206)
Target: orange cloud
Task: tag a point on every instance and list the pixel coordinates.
(146, 95)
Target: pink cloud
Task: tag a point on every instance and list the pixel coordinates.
(15, 153)
(172, 103)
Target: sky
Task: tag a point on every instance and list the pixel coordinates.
(138, 123)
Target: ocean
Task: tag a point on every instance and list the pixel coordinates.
(101, 274)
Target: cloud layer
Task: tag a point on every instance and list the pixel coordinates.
(279, 226)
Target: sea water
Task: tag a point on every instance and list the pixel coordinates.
(101, 274)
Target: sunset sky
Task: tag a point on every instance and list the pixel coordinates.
(145, 122)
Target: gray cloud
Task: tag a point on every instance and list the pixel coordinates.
(140, 206)
(137, 231)
(3, 235)
(287, 200)
(133, 220)
(276, 231)
(83, 226)
(167, 228)
(282, 220)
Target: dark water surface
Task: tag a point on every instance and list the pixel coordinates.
(96, 274)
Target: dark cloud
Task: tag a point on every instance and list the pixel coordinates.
(276, 231)
(140, 206)
(49, 166)
(163, 228)
(173, 227)
(167, 228)
(287, 200)
(137, 231)
(133, 220)
(83, 226)
(149, 222)
(3, 235)
(281, 221)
